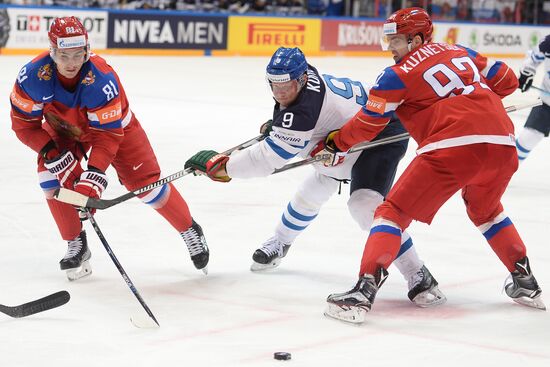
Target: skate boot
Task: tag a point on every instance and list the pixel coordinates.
(196, 244)
(76, 261)
(269, 255)
(524, 288)
(352, 306)
(423, 289)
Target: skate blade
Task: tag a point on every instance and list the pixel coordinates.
(353, 315)
(143, 322)
(261, 267)
(82, 271)
(531, 302)
(205, 270)
(430, 298)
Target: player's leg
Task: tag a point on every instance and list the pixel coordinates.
(418, 194)
(482, 198)
(536, 128)
(372, 177)
(137, 166)
(297, 216)
(76, 260)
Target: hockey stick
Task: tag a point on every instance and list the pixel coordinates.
(43, 304)
(121, 270)
(541, 90)
(74, 198)
(384, 141)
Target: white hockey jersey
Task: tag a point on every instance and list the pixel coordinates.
(324, 104)
(531, 62)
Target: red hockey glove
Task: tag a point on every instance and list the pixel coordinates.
(65, 167)
(211, 163)
(92, 183)
(329, 148)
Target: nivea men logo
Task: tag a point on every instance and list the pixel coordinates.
(164, 31)
(313, 82)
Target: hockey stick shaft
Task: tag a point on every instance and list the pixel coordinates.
(43, 304)
(384, 141)
(77, 199)
(544, 91)
(119, 266)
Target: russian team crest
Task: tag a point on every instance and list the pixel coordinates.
(45, 72)
(89, 78)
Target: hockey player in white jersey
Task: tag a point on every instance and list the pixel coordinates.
(537, 125)
(309, 105)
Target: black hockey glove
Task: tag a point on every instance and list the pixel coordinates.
(525, 80)
(266, 128)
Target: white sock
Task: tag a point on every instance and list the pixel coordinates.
(526, 141)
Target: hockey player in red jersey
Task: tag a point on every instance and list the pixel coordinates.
(68, 104)
(449, 99)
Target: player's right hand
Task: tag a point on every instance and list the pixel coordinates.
(210, 163)
(525, 80)
(92, 183)
(328, 147)
(65, 167)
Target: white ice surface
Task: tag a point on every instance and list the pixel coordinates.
(233, 317)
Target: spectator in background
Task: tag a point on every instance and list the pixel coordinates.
(444, 9)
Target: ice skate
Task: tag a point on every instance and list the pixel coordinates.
(196, 244)
(423, 289)
(76, 261)
(269, 255)
(524, 288)
(353, 306)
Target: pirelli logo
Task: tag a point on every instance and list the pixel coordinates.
(276, 34)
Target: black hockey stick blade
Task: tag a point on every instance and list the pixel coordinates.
(43, 304)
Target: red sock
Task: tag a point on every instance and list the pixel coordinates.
(508, 246)
(380, 250)
(66, 218)
(175, 210)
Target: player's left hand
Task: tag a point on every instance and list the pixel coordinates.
(327, 146)
(266, 128)
(92, 183)
(211, 163)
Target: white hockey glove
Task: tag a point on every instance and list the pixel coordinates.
(92, 183)
(65, 167)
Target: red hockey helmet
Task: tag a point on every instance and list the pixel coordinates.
(66, 33)
(410, 22)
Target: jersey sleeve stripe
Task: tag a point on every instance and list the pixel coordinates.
(279, 150)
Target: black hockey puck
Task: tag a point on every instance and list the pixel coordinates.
(282, 356)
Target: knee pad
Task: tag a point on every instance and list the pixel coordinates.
(362, 204)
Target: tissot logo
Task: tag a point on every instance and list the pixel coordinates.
(276, 34)
(39, 23)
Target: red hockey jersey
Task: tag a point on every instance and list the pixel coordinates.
(96, 113)
(445, 95)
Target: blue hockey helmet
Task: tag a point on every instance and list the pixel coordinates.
(285, 65)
